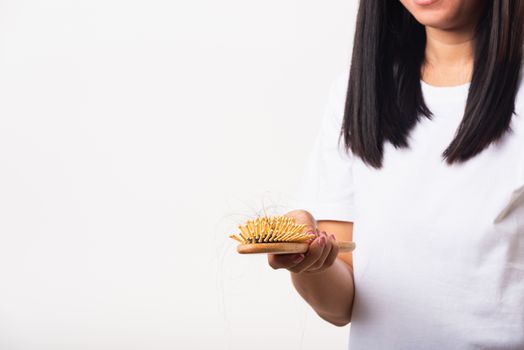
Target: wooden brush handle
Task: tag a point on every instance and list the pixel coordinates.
(287, 248)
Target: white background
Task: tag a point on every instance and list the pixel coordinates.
(134, 137)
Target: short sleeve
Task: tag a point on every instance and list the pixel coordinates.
(325, 187)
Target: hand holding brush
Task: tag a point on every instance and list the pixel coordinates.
(291, 241)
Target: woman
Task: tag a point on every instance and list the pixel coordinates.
(430, 183)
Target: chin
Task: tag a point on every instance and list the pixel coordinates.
(435, 20)
(441, 14)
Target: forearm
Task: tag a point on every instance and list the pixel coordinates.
(329, 292)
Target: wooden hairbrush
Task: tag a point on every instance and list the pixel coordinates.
(277, 235)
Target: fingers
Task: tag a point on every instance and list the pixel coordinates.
(328, 247)
(311, 257)
(333, 253)
(320, 250)
(322, 253)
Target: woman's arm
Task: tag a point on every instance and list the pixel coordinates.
(322, 277)
(329, 293)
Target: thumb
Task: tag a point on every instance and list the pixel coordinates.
(286, 261)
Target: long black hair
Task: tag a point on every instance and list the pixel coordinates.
(384, 98)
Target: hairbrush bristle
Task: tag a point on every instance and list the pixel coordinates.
(269, 229)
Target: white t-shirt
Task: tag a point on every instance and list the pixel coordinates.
(439, 262)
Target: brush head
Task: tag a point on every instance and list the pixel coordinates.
(273, 229)
(278, 235)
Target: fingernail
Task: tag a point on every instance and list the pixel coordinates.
(322, 241)
(298, 258)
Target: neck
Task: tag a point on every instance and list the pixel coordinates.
(449, 47)
(448, 57)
